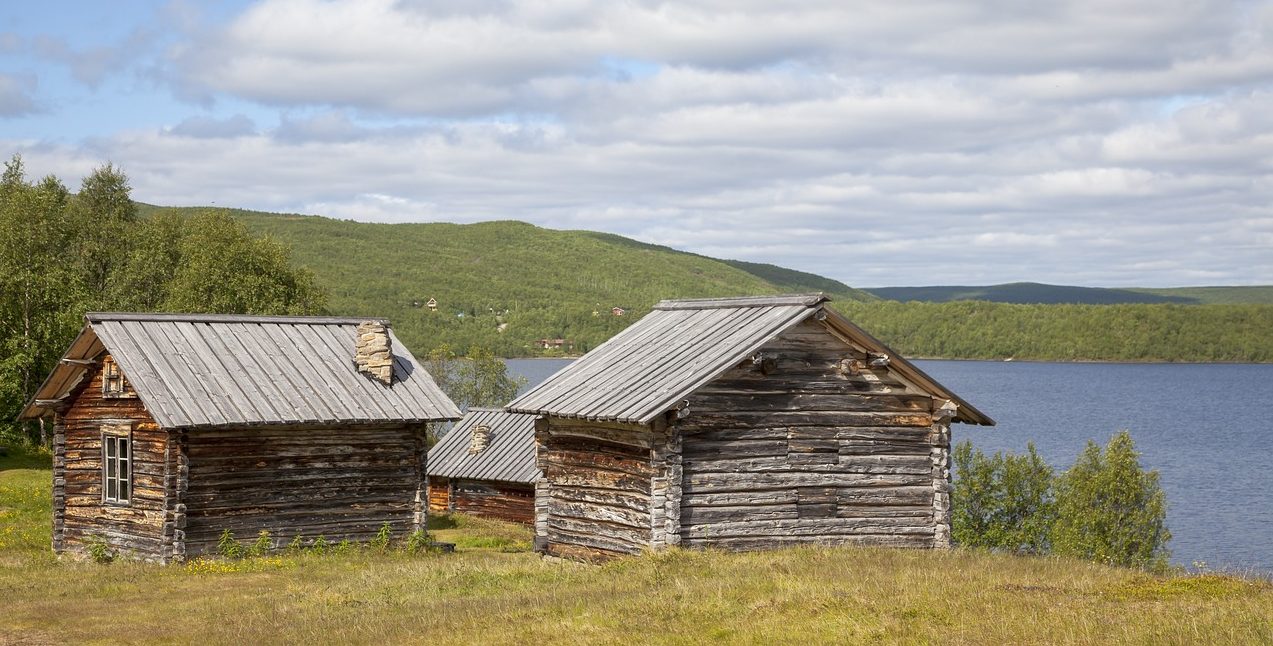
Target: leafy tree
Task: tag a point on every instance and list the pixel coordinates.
(478, 380)
(1111, 510)
(102, 214)
(145, 278)
(1002, 501)
(61, 255)
(40, 295)
(223, 269)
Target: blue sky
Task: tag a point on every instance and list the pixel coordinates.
(1104, 143)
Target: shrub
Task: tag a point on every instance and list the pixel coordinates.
(228, 547)
(418, 541)
(381, 542)
(262, 545)
(1003, 501)
(99, 550)
(320, 545)
(1111, 510)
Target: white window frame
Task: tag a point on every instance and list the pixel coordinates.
(117, 464)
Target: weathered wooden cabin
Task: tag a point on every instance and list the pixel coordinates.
(485, 466)
(169, 429)
(741, 423)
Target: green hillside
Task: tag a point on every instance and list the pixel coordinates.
(507, 284)
(1215, 295)
(1067, 332)
(1030, 293)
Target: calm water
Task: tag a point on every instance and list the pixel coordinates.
(1205, 428)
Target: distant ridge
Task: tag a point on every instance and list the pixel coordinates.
(1040, 293)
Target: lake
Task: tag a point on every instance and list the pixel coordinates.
(1202, 426)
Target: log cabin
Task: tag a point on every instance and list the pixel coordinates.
(169, 429)
(741, 423)
(485, 466)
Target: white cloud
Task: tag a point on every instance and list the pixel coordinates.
(1090, 142)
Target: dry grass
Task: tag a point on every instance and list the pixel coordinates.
(492, 591)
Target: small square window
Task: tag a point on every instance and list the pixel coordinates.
(117, 463)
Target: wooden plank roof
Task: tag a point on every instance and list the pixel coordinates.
(509, 455)
(213, 370)
(649, 368)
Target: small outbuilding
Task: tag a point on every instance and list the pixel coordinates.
(485, 466)
(741, 423)
(169, 429)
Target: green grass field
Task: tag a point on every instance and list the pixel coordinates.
(492, 590)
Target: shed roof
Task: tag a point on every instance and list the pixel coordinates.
(650, 367)
(509, 455)
(195, 370)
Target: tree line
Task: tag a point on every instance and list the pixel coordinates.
(65, 254)
(1130, 332)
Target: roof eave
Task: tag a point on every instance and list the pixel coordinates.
(33, 410)
(966, 413)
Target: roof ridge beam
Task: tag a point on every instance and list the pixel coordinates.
(811, 299)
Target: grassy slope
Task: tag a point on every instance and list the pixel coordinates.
(549, 281)
(492, 591)
(1041, 293)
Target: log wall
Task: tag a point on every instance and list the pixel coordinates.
(818, 450)
(79, 513)
(506, 501)
(439, 495)
(597, 494)
(339, 483)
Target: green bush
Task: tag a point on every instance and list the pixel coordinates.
(1003, 501)
(1105, 508)
(261, 546)
(228, 547)
(1111, 510)
(99, 550)
(381, 542)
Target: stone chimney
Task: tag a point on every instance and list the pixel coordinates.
(481, 436)
(372, 353)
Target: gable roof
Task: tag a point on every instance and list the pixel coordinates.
(650, 367)
(195, 370)
(509, 455)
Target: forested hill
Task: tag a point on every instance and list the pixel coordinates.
(505, 285)
(1028, 293)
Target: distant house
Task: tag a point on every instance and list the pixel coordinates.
(741, 423)
(555, 344)
(486, 466)
(170, 429)
(432, 304)
(618, 311)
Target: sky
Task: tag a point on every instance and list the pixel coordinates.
(1103, 143)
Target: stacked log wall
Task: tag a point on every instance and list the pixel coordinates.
(595, 499)
(439, 495)
(81, 516)
(813, 446)
(505, 501)
(338, 483)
